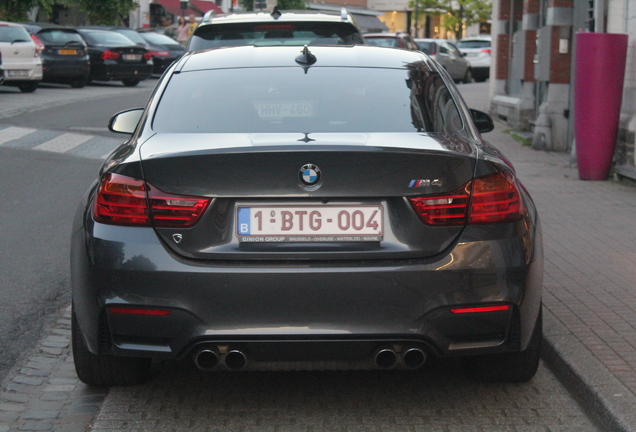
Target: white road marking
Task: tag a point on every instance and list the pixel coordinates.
(13, 133)
(63, 143)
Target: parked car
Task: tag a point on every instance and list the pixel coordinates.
(164, 50)
(131, 34)
(64, 54)
(21, 58)
(265, 213)
(477, 52)
(278, 28)
(392, 40)
(115, 57)
(1, 70)
(447, 54)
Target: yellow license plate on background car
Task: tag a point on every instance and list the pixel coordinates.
(67, 52)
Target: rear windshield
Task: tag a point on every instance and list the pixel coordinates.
(132, 35)
(385, 42)
(60, 37)
(297, 33)
(106, 38)
(473, 44)
(13, 34)
(323, 99)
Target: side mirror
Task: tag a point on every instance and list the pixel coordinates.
(126, 121)
(482, 120)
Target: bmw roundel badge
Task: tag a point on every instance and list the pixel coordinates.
(309, 175)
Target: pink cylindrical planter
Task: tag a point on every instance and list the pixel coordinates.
(598, 90)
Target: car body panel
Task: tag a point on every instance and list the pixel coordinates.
(446, 54)
(164, 49)
(478, 53)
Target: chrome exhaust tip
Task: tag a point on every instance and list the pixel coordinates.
(235, 360)
(385, 358)
(414, 358)
(206, 359)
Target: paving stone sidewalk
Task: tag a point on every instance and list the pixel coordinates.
(589, 230)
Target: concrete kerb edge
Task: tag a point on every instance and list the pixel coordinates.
(603, 397)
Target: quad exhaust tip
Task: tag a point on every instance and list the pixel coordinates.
(235, 360)
(206, 359)
(414, 358)
(385, 358)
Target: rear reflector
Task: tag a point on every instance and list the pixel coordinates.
(138, 311)
(123, 200)
(481, 309)
(490, 199)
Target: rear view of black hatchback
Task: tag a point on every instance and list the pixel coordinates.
(64, 54)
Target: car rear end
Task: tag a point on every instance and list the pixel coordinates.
(64, 56)
(294, 225)
(478, 54)
(164, 50)
(115, 57)
(21, 58)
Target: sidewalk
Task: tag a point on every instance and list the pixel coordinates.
(589, 298)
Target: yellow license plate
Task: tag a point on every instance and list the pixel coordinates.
(67, 52)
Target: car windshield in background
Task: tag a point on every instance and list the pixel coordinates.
(106, 38)
(385, 42)
(297, 33)
(159, 39)
(133, 36)
(13, 34)
(290, 99)
(473, 44)
(60, 37)
(425, 47)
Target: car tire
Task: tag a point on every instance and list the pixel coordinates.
(508, 367)
(468, 76)
(28, 86)
(78, 83)
(105, 370)
(130, 82)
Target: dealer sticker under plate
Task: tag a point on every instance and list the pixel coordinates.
(327, 223)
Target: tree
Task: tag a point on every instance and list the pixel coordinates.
(291, 4)
(457, 13)
(17, 10)
(106, 12)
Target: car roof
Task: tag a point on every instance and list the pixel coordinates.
(395, 34)
(484, 37)
(285, 16)
(285, 56)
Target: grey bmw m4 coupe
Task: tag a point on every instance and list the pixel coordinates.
(325, 207)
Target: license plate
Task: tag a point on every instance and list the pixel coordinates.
(18, 73)
(269, 110)
(132, 57)
(310, 223)
(67, 52)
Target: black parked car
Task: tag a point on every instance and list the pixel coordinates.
(264, 214)
(115, 57)
(164, 50)
(64, 54)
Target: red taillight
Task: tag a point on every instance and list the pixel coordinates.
(157, 54)
(137, 311)
(495, 199)
(447, 209)
(486, 51)
(39, 46)
(488, 199)
(123, 200)
(110, 55)
(148, 55)
(481, 309)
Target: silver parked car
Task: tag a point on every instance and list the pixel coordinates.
(477, 50)
(282, 220)
(447, 54)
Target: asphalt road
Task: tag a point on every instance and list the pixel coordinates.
(39, 192)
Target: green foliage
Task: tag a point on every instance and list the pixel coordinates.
(458, 13)
(291, 4)
(247, 5)
(17, 10)
(107, 12)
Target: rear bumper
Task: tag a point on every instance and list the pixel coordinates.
(115, 71)
(273, 310)
(65, 69)
(23, 71)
